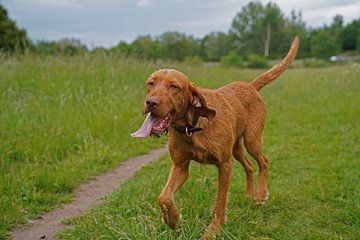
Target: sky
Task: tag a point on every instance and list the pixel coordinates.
(106, 22)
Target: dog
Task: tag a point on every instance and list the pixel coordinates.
(210, 127)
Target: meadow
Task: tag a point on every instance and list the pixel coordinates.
(65, 120)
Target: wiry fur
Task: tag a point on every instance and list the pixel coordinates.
(232, 117)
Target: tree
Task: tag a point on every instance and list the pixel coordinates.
(273, 22)
(256, 25)
(12, 38)
(122, 49)
(247, 30)
(66, 46)
(215, 45)
(146, 47)
(336, 28)
(324, 44)
(178, 46)
(351, 33)
(295, 26)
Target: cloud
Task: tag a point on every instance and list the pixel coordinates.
(107, 22)
(52, 3)
(143, 3)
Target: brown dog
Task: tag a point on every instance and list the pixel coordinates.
(209, 126)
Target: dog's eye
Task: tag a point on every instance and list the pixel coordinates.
(151, 84)
(173, 86)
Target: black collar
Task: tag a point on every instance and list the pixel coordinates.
(188, 129)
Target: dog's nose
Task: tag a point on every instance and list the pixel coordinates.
(152, 102)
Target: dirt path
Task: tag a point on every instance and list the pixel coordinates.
(87, 196)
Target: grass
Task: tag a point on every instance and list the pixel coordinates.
(63, 121)
(67, 119)
(312, 142)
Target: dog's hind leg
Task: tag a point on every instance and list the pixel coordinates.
(238, 152)
(253, 143)
(218, 212)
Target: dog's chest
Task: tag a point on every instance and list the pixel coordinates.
(203, 154)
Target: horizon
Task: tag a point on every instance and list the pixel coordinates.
(107, 23)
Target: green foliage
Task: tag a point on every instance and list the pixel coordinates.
(12, 38)
(177, 46)
(170, 45)
(256, 61)
(146, 47)
(63, 121)
(122, 49)
(294, 26)
(247, 28)
(66, 46)
(311, 140)
(324, 44)
(351, 33)
(232, 59)
(195, 60)
(256, 28)
(336, 29)
(215, 45)
(315, 63)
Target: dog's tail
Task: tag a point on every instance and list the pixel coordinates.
(278, 69)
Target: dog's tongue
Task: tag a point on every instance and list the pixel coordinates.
(145, 129)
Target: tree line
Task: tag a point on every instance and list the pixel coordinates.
(257, 31)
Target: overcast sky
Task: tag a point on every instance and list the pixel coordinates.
(106, 22)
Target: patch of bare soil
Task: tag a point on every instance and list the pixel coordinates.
(87, 196)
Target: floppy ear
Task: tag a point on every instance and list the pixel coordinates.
(199, 103)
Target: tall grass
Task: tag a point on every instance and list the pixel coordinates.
(312, 142)
(62, 121)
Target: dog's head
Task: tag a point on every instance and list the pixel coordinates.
(170, 97)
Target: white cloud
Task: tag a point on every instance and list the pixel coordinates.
(56, 3)
(143, 3)
(107, 22)
(320, 12)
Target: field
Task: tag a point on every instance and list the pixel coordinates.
(65, 120)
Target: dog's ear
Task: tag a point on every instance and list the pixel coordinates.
(199, 103)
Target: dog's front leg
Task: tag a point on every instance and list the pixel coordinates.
(218, 213)
(178, 175)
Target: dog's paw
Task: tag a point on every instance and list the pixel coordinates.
(262, 198)
(211, 232)
(170, 216)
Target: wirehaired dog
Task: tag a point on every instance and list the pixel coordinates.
(209, 126)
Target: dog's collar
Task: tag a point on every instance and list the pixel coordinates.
(188, 129)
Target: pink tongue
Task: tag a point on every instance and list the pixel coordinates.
(145, 129)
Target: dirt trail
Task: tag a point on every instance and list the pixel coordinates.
(87, 196)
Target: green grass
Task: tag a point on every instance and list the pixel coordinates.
(312, 142)
(64, 120)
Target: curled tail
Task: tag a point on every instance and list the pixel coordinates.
(278, 69)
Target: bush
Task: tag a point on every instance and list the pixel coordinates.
(232, 59)
(315, 63)
(256, 61)
(193, 60)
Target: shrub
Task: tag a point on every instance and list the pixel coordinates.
(193, 60)
(232, 59)
(256, 61)
(315, 63)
